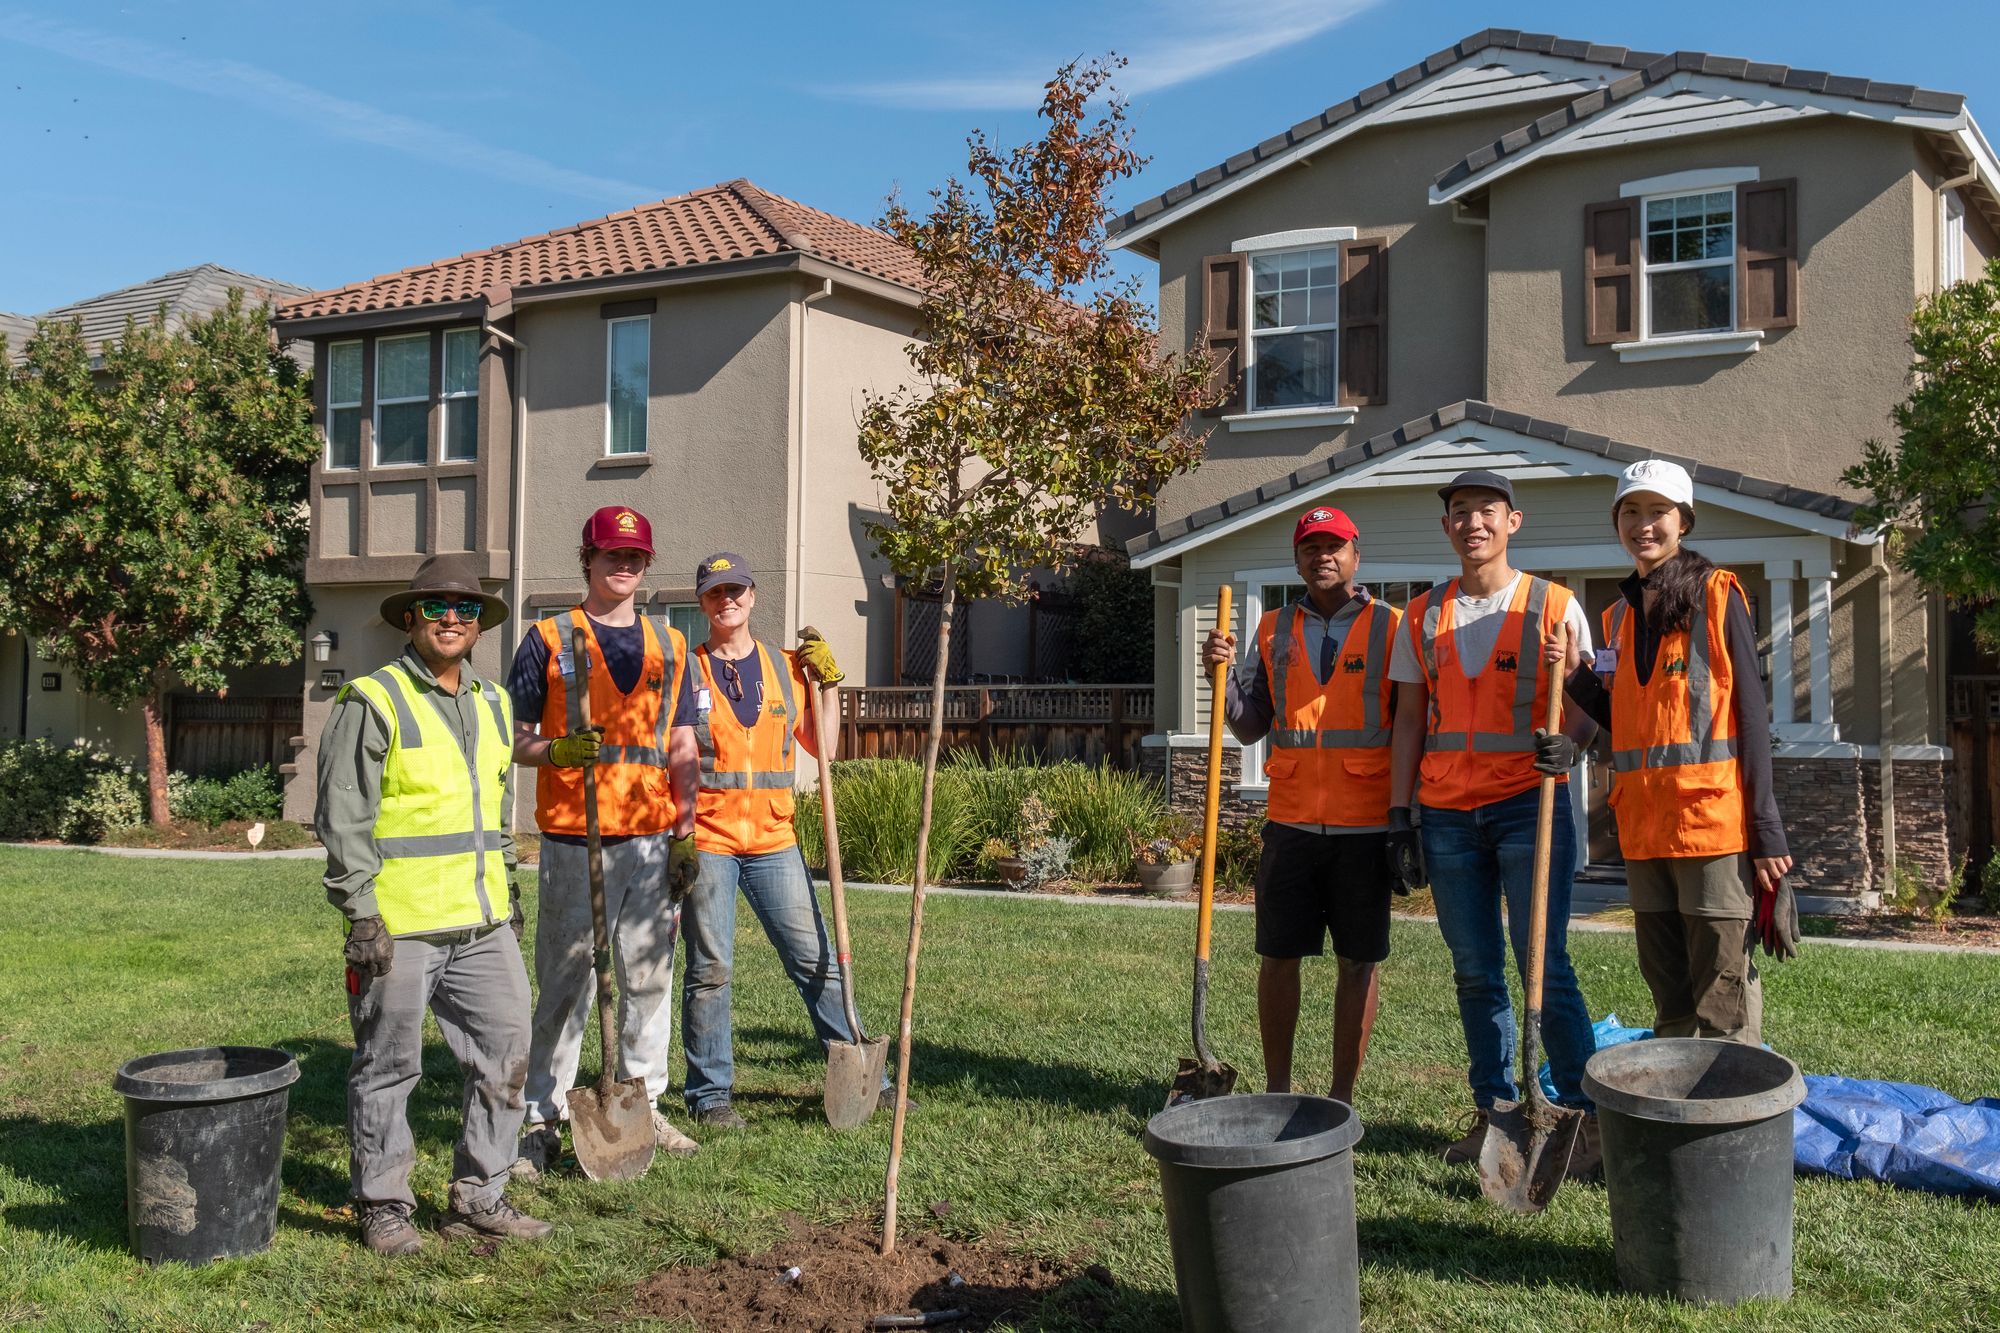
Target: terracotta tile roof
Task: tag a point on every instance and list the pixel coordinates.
(1471, 409)
(731, 221)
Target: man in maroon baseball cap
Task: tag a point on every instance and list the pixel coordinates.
(616, 528)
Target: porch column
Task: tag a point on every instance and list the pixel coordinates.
(1819, 626)
(1781, 573)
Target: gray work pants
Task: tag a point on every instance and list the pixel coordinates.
(644, 928)
(475, 984)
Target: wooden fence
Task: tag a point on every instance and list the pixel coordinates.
(207, 735)
(1091, 723)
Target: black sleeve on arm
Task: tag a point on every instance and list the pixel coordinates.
(1753, 733)
(528, 678)
(1248, 710)
(1587, 692)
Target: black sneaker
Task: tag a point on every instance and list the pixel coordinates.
(720, 1116)
(503, 1221)
(386, 1229)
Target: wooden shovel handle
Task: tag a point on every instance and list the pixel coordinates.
(579, 684)
(1538, 908)
(1212, 802)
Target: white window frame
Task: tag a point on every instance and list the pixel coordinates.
(697, 634)
(381, 402)
(360, 393)
(461, 400)
(611, 327)
(1951, 240)
(1647, 268)
(1275, 246)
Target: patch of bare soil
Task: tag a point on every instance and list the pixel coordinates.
(232, 836)
(841, 1284)
(1978, 929)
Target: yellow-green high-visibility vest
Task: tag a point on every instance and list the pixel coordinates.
(440, 822)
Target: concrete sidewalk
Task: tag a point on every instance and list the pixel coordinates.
(175, 853)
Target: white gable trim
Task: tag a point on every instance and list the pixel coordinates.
(1435, 459)
(1686, 182)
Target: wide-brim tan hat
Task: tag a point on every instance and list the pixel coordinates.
(445, 576)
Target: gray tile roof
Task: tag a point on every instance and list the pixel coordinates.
(16, 328)
(1639, 63)
(1471, 409)
(185, 293)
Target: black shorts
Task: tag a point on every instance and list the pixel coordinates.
(1310, 885)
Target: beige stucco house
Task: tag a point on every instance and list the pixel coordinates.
(1550, 258)
(702, 359)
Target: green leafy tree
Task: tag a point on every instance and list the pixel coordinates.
(1040, 395)
(153, 510)
(1112, 635)
(1939, 483)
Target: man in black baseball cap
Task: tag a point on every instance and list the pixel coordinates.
(1478, 479)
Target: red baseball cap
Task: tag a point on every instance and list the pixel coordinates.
(1330, 521)
(617, 528)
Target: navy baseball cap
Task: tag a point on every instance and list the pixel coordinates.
(1482, 479)
(720, 568)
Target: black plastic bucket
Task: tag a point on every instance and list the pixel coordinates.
(1698, 1163)
(1260, 1212)
(204, 1148)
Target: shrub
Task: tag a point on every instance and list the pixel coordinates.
(1045, 862)
(1237, 851)
(65, 791)
(879, 801)
(1098, 809)
(249, 796)
(1113, 633)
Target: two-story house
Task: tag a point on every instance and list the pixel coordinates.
(702, 359)
(1550, 258)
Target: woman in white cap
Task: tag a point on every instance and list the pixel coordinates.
(1676, 688)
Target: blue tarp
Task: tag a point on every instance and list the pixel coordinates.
(1609, 1032)
(1898, 1133)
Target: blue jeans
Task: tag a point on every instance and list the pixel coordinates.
(1475, 858)
(781, 894)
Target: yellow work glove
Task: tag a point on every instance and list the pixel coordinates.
(817, 654)
(576, 749)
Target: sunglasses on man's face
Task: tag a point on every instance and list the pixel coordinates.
(466, 609)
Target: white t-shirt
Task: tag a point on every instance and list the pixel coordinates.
(1475, 628)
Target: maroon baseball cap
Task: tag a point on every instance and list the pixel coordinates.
(617, 528)
(1330, 521)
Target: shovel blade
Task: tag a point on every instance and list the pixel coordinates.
(1526, 1153)
(611, 1129)
(854, 1080)
(1195, 1081)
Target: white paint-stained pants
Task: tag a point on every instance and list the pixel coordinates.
(643, 932)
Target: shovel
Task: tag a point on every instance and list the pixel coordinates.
(1528, 1143)
(1204, 1075)
(853, 1068)
(611, 1124)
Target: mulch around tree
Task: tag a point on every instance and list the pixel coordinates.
(191, 835)
(843, 1283)
(1981, 929)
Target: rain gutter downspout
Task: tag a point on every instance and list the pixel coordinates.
(1944, 188)
(797, 582)
(1885, 607)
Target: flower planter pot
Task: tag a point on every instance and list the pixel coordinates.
(1167, 881)
(1010, 871)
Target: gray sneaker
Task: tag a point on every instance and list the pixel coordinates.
(720, 1116)
(386, 1229)
(670, 1140)
(541, 1148)
(503, 1221)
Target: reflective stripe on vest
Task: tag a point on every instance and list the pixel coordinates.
(745, 802)
(705, 737)
(1706, 747)
(1372, 731)
(1527, 674)
(1329, 761)
(439, 828)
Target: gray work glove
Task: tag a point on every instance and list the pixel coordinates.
(576, 749)
(1777, 922)
(1555, 753)
(1406, 853)
(683, 865)
(369, 947)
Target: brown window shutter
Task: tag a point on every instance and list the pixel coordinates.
(1364, 321)
(1767, 255)
(1611, 271)
(1225, 318)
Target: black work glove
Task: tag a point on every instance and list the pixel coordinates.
(1555, 753)
(369, 947)
(1406, 853)
(683, 865)
(1777, 922)
(517, 920)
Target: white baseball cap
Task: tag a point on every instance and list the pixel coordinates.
(1669, 481)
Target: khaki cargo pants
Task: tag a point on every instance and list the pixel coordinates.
(1692, 915)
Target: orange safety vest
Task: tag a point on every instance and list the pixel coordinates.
(1480, 747)
(1329, 761)
(1676, 779)
(745, 805)
(634, 793)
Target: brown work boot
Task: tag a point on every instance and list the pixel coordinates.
(386, 1229)
(1587, 1162)
(541, 1148)
(670, 1140)
(1466, 1148)
(502, 1221)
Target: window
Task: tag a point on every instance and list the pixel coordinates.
(688, 619)
(343, 405)
(402, 400)
(1689, 257)
(1951, 245)
(461, 394)
(1293, 328)
(630, 354)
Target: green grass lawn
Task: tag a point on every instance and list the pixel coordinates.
(1046, 1032)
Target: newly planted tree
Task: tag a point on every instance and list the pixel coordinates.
(1939, 484)
(1039, 397)
(153, 508)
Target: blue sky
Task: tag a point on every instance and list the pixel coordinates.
(322, 144)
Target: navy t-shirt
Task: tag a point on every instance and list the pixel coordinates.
(749, 675)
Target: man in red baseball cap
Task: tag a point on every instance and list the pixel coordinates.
(1318, 687)
(641, 741)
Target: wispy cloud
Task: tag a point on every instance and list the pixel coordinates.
(335, 116)
(1187, 40)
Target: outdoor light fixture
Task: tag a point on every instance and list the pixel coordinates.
(323, 644)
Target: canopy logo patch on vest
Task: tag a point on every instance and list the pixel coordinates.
(1506, 662)
(1677, 667)
(1354, 665)
(656, 683)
